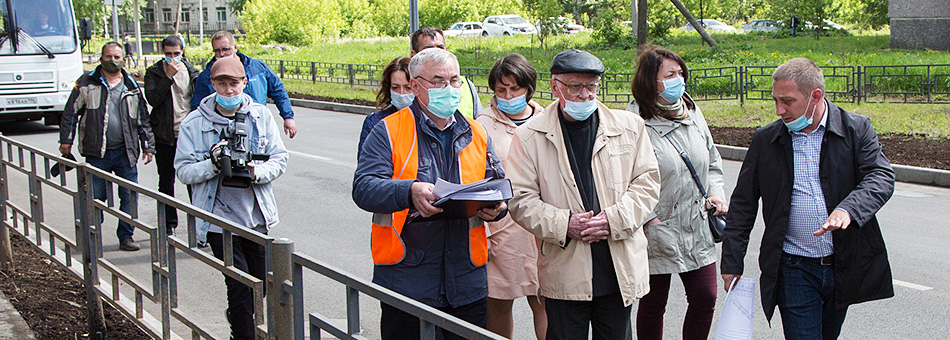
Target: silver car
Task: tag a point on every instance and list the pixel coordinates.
(761, 25)
(711, 25)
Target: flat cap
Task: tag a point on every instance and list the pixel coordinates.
(576, 61)
(227, 67)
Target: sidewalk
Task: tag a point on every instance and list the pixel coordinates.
(12, 325)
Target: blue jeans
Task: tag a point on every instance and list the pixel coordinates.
(115, 161)
(806, 299)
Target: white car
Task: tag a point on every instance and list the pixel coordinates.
(710, 25)
(464, 29)
(508, 24)
(562, 25)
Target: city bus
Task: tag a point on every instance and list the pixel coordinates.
(40, 59)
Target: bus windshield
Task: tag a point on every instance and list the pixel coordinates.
(48, 22)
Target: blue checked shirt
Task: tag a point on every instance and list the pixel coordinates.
(808, 210)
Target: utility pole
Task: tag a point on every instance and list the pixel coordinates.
(413, 18)
(115, 19)
(138, 29)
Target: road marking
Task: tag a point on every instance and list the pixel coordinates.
(324, 159)
(911, 194)
(319, 158)
(912, 285)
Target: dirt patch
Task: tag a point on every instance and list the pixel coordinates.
(52, 301)
(904, 149)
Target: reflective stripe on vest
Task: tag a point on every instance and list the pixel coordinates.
(467, 102)
(387, 246)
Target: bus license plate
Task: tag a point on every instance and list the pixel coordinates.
(21, 101)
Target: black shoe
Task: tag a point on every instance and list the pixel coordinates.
(202, 244)
(128, 245)
(170, 231)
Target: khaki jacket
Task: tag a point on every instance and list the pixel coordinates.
(545, 195)
(502, 130)
(682, 242)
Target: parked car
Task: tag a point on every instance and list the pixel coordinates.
(562, 25)
(508, 24)
(711, 25)
(761, 25)
(464, 29)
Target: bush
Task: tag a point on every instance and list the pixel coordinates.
(295, 22)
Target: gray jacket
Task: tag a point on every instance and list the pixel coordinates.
(681, 242)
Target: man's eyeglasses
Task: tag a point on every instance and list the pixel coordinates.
(456, 83)
(222, 50)
(575, 89)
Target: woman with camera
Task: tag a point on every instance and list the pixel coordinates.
(678, 234)
(394, 94)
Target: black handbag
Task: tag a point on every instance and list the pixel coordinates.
(716, 223)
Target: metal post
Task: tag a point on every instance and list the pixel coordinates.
(201, 23)
(350, 74)
(313, 71)
(281, 301)
(84, 211)
(115, 23)
(281, 69)
(6, 251)
(413, 17)
(138, 31)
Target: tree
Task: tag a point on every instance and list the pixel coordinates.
(295, 22)
(546, 11)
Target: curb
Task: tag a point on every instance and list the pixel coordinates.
(903, 173)
(12, 325)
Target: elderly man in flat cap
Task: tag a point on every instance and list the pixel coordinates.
(584, 178)
(245, 197)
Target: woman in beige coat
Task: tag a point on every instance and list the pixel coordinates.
(678, 236)
(512, 250)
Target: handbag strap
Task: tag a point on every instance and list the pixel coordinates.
(689, 165)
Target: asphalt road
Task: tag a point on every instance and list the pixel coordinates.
(317, 213)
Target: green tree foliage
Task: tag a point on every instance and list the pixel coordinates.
(295, 22)
(357, 19)
(863, 13)
(546, 11)
(444, 13)
(391, 17)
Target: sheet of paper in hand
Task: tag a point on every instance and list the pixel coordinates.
(735, 322)
(461, 201)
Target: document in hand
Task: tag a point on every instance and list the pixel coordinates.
(735, 322)
(461, 201)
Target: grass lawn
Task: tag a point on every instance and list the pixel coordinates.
(862, 48)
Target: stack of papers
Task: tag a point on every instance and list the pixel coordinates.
(461, 201)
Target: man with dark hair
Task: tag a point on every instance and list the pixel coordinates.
(169, 84)
(795, 23)
(129, 54)
(431, 37)
(108, 106)
(821, 176)
(262, 82)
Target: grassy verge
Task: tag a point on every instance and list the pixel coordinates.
(930, 120)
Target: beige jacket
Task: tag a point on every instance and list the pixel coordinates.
(545, 194)
(502, 130)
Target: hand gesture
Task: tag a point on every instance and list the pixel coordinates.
(587, 227)
(837, 219)
(489, 214)
(171, 69)
(721, 207)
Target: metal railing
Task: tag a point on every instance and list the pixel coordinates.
(874, 83)
(111, 281)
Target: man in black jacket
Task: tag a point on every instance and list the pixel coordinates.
(169, 84)
(108, 107)
(822, 176)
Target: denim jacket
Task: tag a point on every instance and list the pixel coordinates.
(196, 136)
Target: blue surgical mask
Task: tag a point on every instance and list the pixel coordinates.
(169, 60)
(444, 102)
(399, 100)
(673, 89)
(512, 106)
(580, 111)
(801, 122)
(228, 103)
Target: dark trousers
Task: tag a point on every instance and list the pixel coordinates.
(398, 325)
(115, 161)
(165, 161)
(700, 286)
(806, 299)
(248, 257)
(571, 320)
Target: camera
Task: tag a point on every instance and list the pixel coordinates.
(235, 155)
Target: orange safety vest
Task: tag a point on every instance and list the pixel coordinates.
(386, 243)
